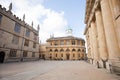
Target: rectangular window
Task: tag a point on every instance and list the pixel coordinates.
(34, 45)
(27, 32)
(78, 42)
(73, 42)
(67, 43)
(61, 42)
(25, 53)
(26, 42)
(35, 36)
(13, 53)
(56, 43)
(0, 18)
(15, 39)
(17, 28)
(83, 43)
(33, 54)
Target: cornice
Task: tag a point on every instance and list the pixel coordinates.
(13, 17)
(91, 13)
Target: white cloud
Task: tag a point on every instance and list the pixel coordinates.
(51, 22)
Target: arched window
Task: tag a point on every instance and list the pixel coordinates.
(56, 55)
(79, 50)
(67, 50)
(83, 50)
(50, 50)
(56, 50)
(73, 50)
(61, 50)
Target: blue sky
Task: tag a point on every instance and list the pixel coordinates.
(53, 16)
(74, 12)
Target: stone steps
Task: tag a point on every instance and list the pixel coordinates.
(116, 67)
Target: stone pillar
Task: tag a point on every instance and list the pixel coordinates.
(64, 42)
(91, 45)
(94, 41)
(111, 40)
(101, 36)
(76, 42)
(115, 8)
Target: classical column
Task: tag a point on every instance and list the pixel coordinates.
(111, 40)
(101, 36)
(94, 40)
(76, 42)
(115, 8)
(91, 43)
(64, 42)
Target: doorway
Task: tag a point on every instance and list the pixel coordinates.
(104, 64)
(2, 56)
(43, 56)
(67, 56)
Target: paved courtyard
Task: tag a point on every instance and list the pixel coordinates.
(53, 70)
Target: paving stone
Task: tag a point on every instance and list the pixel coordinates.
(54, 70)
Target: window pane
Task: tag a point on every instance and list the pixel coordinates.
(13, 53)
(33, 54)
(78, 42)
(56, 43)
(73, 42)
(25, 53)
(17, 28)
(67, 42)
(61, 42)
(27, 32)
(15, 40)
(0, 18)
(34, 45)
(26, 42)
(35, 36)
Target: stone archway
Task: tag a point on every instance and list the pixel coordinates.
(2, 56)
(67, 56)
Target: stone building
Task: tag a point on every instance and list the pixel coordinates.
(42, 50)
(65, 48)
(102, 19)
(18, 40)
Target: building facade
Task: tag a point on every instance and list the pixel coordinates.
(18, 40)
(43, 51)
(65, 48)
(102, 19)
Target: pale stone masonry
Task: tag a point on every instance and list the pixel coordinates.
(18, 40)
(65, 48)
(102, 19)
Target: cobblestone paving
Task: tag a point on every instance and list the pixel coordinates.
(53, 70)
